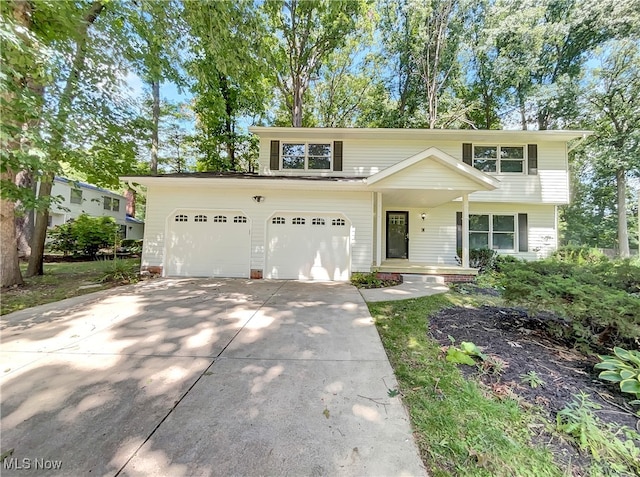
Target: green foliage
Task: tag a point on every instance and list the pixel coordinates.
(465, 353)
(84, 235)
(579, 255)
(365, 280)
(483, 259)
(598, 300)
(532, 379)
(118, 270)
(131, 245)
(624, 369)
(603, 441)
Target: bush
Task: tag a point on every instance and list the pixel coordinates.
(598, 300)
(132, 245)
(481, 258)
(84, 235)
(579, 255)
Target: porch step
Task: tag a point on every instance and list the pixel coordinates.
(414, 278)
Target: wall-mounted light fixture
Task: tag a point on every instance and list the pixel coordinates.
(258, 198)
(423, 216)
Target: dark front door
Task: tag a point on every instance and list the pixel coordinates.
(397, 234)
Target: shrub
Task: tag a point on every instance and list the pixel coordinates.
(118, 270)
(481, 258)
(84, 235)
(132, 245)
(597, 299)
(579, 255)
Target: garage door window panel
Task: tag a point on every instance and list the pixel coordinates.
(200, 218)
(220, 219)
(181, 218)
(278, 221)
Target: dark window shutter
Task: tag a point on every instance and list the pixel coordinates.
(532, 155)
(337, 155)
(467, 153)
(274, 163)
(458, 230)
(523, 233)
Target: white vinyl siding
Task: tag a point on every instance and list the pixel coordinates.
(163, 201)
(437, 244)
(363, 158)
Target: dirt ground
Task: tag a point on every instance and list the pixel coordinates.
(518, 340)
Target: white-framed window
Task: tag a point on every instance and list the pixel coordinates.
(220, 219)
(304, 156)
(181, 218)
(499, 159)
(239, 219)
(200, 218)
(76, 196)
(278, 221)
(115, 205)
(298, 221)
(493, 231)
(106, 203)
(317, 221)
(338, 222)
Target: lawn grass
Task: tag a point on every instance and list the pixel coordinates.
(63, 280)
(459, 429)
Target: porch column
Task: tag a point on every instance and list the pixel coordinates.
(378, 228)
(465, 230)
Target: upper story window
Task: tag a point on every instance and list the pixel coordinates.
(500, 159)
(109, 203)
(306, 156)
(76, 196)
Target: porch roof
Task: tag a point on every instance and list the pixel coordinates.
(429, 178)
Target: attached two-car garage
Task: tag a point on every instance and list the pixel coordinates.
(297, 245)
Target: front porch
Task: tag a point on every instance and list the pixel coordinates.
(450, 273)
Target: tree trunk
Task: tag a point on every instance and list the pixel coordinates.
(298, 93)
(623, 232)
(25, 219)
(36, 260)
(155, 91)
(9, 265)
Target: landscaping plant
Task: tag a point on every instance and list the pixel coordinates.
(624, 369)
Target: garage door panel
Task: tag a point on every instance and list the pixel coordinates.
(208, 244)
(317, 249)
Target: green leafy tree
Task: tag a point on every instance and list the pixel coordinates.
(230, 79)
(303, 34)
(612, 104)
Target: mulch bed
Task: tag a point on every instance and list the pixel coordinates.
(520, 341)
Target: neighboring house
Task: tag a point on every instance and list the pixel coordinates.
(80, 198)
(329, 202)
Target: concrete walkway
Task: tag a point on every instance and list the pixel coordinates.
(413, 286)
(202, 377)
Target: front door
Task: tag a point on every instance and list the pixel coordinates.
(397, 234)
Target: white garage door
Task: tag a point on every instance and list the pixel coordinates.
(208, 243)
(308, 246)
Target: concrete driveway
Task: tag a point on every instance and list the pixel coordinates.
(202, 377)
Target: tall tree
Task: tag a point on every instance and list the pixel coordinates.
(305, 32)
(613, 95)
(22, 58)
(156, 44)
(230, 78)
(56, 140)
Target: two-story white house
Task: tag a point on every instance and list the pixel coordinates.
(76, 198)
(329, 202)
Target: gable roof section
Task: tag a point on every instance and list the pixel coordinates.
(443, 170)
